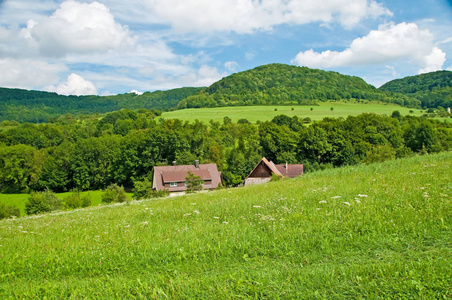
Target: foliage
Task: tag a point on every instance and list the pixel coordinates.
(285, 84)
(8, 211)
(114, 193)
(193, 182)
(432, 89)
(41, 202)
(35, 106)
(142, 190)
(76, 200)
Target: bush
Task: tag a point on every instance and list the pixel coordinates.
(75, 200)
(8, 211)
(114, 193)
(142, 189)
(40, 202)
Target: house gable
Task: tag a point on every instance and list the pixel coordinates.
(265, 169)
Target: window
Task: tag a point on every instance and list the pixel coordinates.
(173, 184)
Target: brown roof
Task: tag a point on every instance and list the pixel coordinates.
(176, 174)
(290, 170)
(179, 176)
(285, 170)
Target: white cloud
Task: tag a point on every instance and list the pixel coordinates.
(231, 65)
(391, 42)
(78, 28)
(75, 85)
(204, 76)
(136, 92)
(245, 16)
(28, 73)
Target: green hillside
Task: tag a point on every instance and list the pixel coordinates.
(379, 231)
(432, 89)
(285, 84)
(35, 106)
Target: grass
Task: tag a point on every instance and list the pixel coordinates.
(264, 113)
(380, 231)
(19, 200)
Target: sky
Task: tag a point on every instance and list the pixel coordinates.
(108, 47)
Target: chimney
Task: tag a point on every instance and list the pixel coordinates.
(174, 162)
(287, 166)
(197, 164)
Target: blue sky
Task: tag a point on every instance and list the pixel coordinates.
(115, 46)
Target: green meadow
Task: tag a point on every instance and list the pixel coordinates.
(20, 200)
(379, 231)
(265, 113)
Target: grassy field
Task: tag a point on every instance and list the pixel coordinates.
(364, 232)
(264, 113)
(20, 200)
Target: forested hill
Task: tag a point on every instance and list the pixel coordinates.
(35, 106)
(432, 89)
(286, 84)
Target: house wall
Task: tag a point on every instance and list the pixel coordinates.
(261, 171)
(253, 181)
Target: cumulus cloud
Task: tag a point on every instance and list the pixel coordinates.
(245, 16)
(78, 28)
(136, 92)
(28, 73)
(231, 65)
(391, 42)
(75, 85)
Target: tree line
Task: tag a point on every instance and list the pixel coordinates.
(123, 147)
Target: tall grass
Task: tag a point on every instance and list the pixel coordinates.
(377, 231)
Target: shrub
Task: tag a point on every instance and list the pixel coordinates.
(75, 200)
(194, 183)
(7, 211)
(142, 189)
(114, 193)
(40, 202)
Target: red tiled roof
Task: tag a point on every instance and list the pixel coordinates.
(168, 174)
(291, 170)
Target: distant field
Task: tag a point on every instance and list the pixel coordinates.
(20, 200)
(264, 113)
(380, 231)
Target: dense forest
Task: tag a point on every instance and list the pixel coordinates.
(122, 147)
(432, 89)
(285, 84)
(37, 107)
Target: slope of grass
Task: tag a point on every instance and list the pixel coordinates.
(266, 113)
(20, 200)
(377, 231)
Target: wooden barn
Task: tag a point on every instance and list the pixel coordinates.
(172, 178)
(265, 169)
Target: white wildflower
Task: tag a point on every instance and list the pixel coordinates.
(357, 201)
(192, 203)
(224, 222)
(346, 203)
(257, 206)
(216, 218)
(187, 214)
(323, 201)
(364, 196)
(336, 197)
(196, 212)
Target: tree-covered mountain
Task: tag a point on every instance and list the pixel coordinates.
(432, 89)
(35, 106)
(286, 84)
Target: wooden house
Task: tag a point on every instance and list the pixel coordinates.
(265, 169)
(172, 178)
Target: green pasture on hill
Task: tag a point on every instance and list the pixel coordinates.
(20, 200)
(266, 113)
(379, 231)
